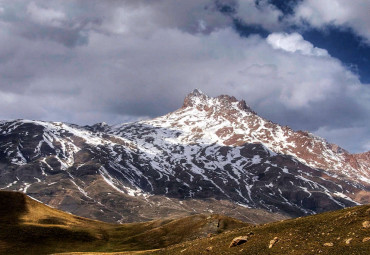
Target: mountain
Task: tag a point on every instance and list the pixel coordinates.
(30, 227)
(211, 155)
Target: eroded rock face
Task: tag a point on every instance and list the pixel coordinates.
(213, 154)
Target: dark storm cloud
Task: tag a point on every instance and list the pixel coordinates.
(38, 22)
(116, 61)
(70, 37)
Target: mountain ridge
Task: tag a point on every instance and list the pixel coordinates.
(230, 106)
(211, 149)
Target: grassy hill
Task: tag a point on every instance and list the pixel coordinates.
(30, 227)
(337, 232)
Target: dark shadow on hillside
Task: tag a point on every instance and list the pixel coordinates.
(12, 207)
(19, 237)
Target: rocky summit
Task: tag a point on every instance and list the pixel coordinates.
(212, 155)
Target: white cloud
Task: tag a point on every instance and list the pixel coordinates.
(139, 62)
(352, 14)
(294, 43)
(124, 20)
(45, 16)
(192, 16)
(263, 14)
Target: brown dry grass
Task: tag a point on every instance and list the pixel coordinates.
(306, 235)
(29, 227)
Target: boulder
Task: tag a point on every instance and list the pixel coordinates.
(366, 239)
(366, 224)
(329, 244)
(273, 242)
(347, 241)
(238, 241)
(210, 248)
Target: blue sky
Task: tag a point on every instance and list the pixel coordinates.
(340, 41)
(299, 63)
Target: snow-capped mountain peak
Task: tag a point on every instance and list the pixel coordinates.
(211, 148)
(201, 101)
(225, 121)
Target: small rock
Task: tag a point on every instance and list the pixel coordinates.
(366, 224)
(366, 239)
(210, 248)
(273, 242)
(209, 235)
(238, 241)
(348, 240)
(329, 244)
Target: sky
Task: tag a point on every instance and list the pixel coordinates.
(301, 63)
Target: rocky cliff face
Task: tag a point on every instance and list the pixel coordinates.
(212, 154)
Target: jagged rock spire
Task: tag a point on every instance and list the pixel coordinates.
(194, 98)
(197, 98)
(197, 92)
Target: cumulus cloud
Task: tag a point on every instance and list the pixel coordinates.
(192, 16)
(352, 14)
(45, 15)
(261, 13)
(138, 62)
(294, 43)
